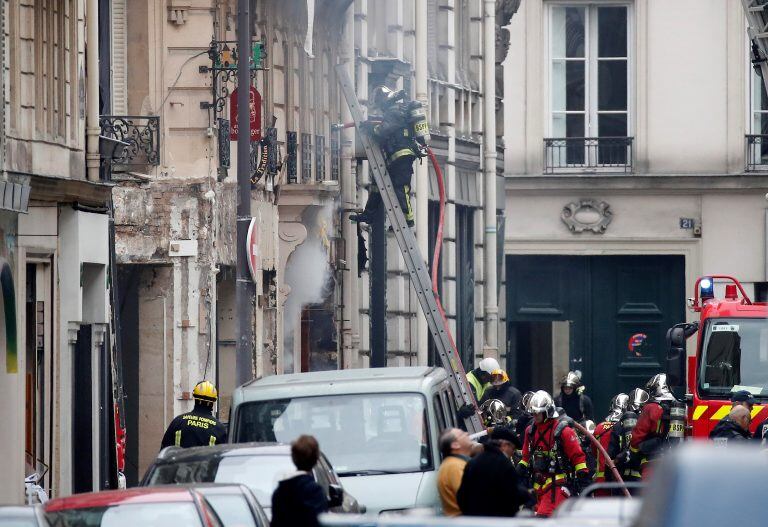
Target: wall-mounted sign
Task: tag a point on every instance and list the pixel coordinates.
(254, 113)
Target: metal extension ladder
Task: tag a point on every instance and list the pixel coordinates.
(417, 267)
(756, 12)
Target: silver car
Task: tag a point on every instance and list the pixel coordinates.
(379, 427)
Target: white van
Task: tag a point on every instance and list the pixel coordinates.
(379, 427)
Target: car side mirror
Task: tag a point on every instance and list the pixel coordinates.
(335, 496)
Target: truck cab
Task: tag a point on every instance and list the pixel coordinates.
(731, 354)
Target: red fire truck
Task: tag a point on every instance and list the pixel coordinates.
(731, 354)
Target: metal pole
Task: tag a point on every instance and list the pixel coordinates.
(378, 276)
(244, 284)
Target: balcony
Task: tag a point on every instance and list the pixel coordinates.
(756, 153)
(140, 133)
(574, 155)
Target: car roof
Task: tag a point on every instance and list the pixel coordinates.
(178, 454)
(18, 511)
(339, 382)
(165, 494)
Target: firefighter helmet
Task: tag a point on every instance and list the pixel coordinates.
(618, 406)
(205, 391)
(590, 426)
(658, 388)
(542, 403)
(494, 411)
(525, 401)
(637, 399)
(383, 96)
(499, 377)
(489, 365)
(571, 380)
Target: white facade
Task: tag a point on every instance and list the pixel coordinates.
(688, 101)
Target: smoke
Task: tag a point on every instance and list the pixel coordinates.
(307, 274)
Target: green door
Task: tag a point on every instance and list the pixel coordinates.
(617, 309)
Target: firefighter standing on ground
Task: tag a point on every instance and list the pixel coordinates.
(661, 423)
(621, 435)
(198, 427)
(552, 456)
(572, 399)
(603, 435)
(401, 133)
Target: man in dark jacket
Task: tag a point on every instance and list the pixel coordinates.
(572, 399)
(734, 427)
(490, 485)
(198, 427)
(298, 499)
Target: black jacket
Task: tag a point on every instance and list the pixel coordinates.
(490, 485)
(506, 393)
(727, 430)
(761, 432)
(196, 428)
(298, 501)
(578, 407)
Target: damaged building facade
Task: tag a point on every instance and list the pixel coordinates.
(175, 195)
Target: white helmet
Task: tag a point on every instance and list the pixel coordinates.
(618, 406)
(488, 365)
(658, 388)
(637, 399)
(542, 403)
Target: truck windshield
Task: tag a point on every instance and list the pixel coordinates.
(360, 434)
(734, 357)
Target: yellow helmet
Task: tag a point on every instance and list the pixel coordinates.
(205, 391)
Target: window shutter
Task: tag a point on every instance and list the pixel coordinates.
(119, 59)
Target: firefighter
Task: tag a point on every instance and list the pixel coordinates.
(480, 378)
(661, 423)
(402, 141)
(603, 435)
(621, 433)
(572, 399)
(501, 388)
(552, 456)
(198, 427)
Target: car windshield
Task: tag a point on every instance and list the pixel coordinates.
(128, 515)
(735, 357)
(260, 473)
(360, 434)
(232, 509)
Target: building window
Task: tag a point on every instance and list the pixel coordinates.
(757, 136)
(589, 86)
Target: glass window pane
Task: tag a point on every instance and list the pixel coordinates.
(568, 31)
(558, 125)
(558, 85)
(612, 85)
(612, 125)
(612, 32)
(574, 76)
(574, 125)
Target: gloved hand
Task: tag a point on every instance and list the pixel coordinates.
(582, 481)
(367, 126)
(467, 411)
(524, 471)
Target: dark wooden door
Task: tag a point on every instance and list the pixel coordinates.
(609, 301)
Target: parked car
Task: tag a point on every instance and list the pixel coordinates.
(21, 516)
(147, 507)
(378, 426)
(234, 504)
(259, 466)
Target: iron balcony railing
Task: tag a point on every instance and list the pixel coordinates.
(140, 132)
(756, 153)
(564, 155)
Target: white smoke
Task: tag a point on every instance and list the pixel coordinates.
(307, 274)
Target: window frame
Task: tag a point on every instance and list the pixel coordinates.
(591, 61)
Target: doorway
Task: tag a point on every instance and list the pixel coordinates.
(601, 306)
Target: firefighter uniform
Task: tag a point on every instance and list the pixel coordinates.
(618, 447)
(552, 453)
(198, 427)
(603, 435)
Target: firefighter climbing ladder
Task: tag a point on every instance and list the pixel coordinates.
(756, 12)
(417, 267)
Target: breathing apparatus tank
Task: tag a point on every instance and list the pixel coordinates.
(628, 423)
(677, 415)
(419, 124)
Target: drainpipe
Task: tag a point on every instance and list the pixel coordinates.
(421, 174)
(92, 128)
(350, 313)
(491, 347)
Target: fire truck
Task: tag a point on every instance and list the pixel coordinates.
(731, 354)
